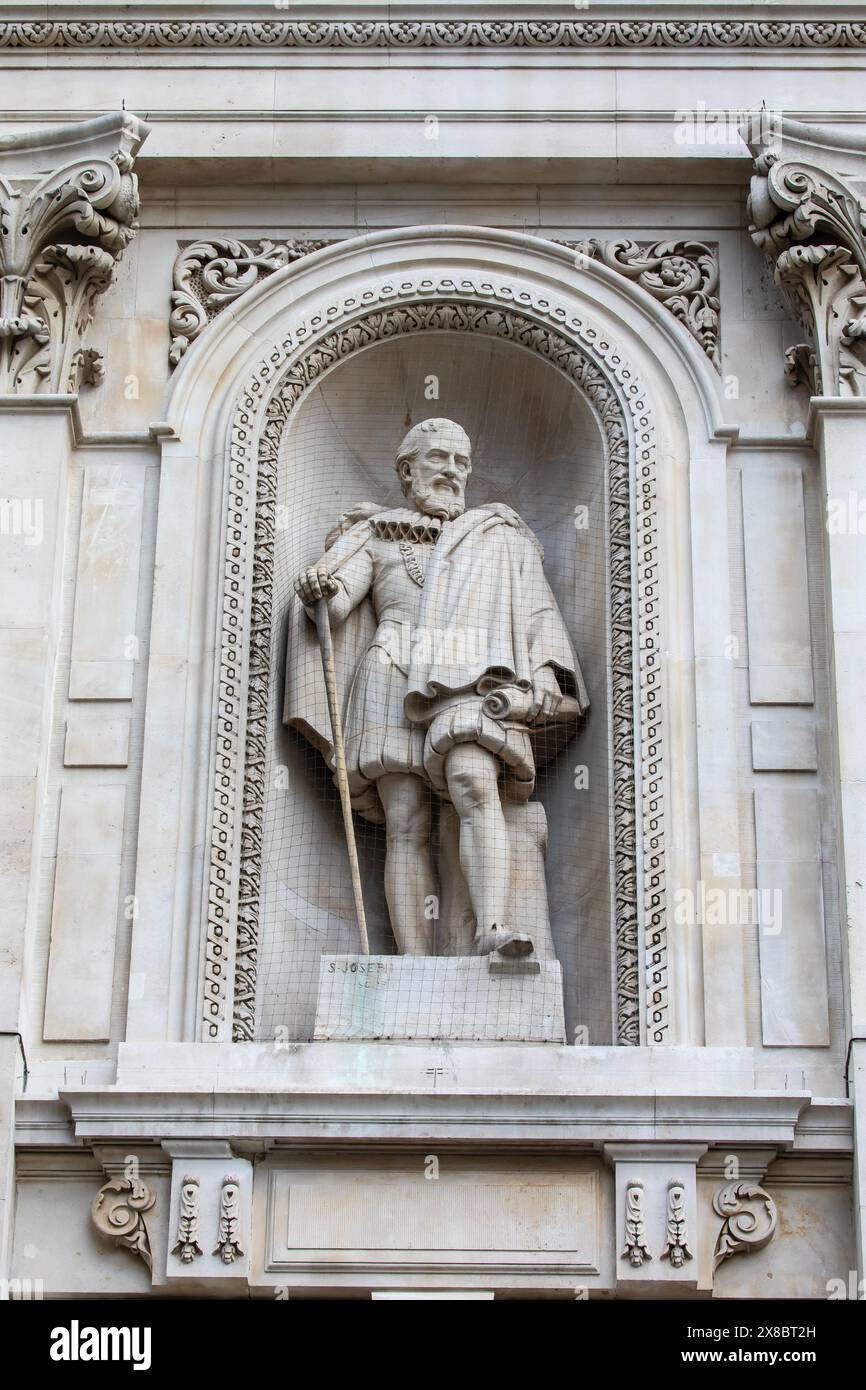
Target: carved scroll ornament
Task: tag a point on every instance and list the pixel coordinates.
(749, 1220)
(117, 1211)
(209, 275)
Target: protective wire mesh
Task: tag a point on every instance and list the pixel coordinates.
(462, 841)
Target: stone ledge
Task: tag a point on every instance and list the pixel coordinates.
(425, 1115)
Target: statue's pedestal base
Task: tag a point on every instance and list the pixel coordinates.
(462, 998)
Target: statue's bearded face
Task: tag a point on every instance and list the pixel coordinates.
(437, 476)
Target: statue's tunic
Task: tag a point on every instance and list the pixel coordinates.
(429, 617)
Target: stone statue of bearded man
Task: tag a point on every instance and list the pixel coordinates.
(451, 655)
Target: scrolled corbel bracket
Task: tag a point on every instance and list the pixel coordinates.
(68, 209)
(810, 222)
(117, 1211)
(749, 1220)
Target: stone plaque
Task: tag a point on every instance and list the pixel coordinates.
(473, 999)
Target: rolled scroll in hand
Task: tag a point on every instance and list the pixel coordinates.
(509, 702)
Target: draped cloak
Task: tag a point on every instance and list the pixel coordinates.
(484, 575)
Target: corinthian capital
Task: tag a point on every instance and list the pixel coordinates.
(808, 216)
(68, 204)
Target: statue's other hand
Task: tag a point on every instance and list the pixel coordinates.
(315, 583)
(546, 697)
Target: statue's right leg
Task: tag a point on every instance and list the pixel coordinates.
(409, 880)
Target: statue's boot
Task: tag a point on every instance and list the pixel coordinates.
(511, 944)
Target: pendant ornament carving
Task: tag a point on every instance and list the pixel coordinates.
(187, 1246)
(412, 562)
(635, 1250)
(228, 1245)
(676, 1248)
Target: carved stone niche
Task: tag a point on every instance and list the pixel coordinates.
(563, 432)
(808, 216)
(68, 204)
(554, 449)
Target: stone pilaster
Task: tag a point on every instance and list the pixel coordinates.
(808, 215)
(68, 201)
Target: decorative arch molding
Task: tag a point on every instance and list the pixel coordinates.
(622, 406)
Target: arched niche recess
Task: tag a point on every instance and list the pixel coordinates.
(540, 446)
(537, 333)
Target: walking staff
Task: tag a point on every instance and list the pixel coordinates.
(326, 645)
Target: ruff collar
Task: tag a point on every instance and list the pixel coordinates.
(405, 524)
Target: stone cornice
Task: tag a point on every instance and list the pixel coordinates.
(265, 29)
(819, 1131)
(300, 1116)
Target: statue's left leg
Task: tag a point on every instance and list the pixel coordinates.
(472, 776)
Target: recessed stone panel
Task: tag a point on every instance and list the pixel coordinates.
(94, 741)
(417, 1219)
(84, 915)
(784, 747)
(794, 1001)
(777, 590)
(104, 642)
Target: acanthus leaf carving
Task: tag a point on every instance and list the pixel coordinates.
(681, 275)
(61, 233)
(117, 1211)
(811, 225)
(209, 275)
(802, 369)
